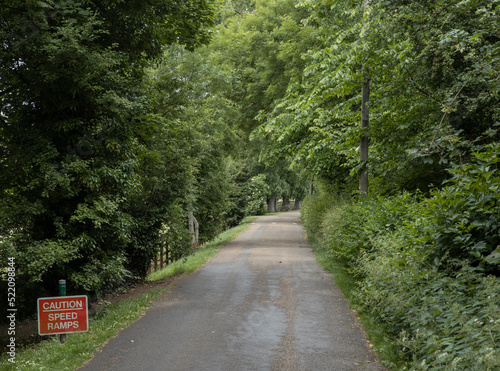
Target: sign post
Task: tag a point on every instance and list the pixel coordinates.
(62, 292)
(62, 315)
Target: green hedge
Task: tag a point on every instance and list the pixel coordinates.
(426, 268)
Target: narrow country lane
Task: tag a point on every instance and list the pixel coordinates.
(262, 303)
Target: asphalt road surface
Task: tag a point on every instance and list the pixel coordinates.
(262, 303)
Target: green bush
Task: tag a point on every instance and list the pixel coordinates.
(434, 281)
(314, 209)
(462, 221)
(350, 229)
(255, 195)
(426, 269)
(442, 321)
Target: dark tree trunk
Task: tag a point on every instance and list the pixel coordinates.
(365, 121)
(363, 176)
(297, 204)
(286, 205)
(271, 205)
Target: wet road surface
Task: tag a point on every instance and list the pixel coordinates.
(262, 303)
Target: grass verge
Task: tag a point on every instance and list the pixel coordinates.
(383, 344)
(51, 354)
(194, 261)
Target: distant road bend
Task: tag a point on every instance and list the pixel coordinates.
(262, 303)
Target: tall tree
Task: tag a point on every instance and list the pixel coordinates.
(260, 49)
(427, 73)
(73, 121)
(365, 121)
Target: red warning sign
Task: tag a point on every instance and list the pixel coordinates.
(62, 315)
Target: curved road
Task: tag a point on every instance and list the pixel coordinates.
(262, 303)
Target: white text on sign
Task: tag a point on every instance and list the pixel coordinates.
(63, 314)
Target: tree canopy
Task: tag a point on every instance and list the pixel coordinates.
(119, 119)
(434, 90)
(78, 131)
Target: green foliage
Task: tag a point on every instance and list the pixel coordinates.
(261, 47)
(257, 191)
(185, 90)
(82, 194)
(351, 230)
(314, 210)
(441, 322)
(462, 219)
(427, 270)
(433, 96)
(68, 158)
(258, 46)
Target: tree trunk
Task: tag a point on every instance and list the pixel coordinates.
(193, 228)
(193, 225)
(365, 121)
(271, 205)
(297, 204)
(286, 205)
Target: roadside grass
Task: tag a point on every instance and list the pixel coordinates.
(51, 354)
(194, 261)
(380, 342)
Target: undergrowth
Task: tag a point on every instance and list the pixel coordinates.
(424, 271)
(51, 354)
(192, 262)
(384, 343)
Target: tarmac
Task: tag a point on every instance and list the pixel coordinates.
(262, 303)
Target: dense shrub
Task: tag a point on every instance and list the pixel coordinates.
(462, 221)
(314, 209)
(426, 269)
(255, 195)
(441, 321)
(351, 229)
